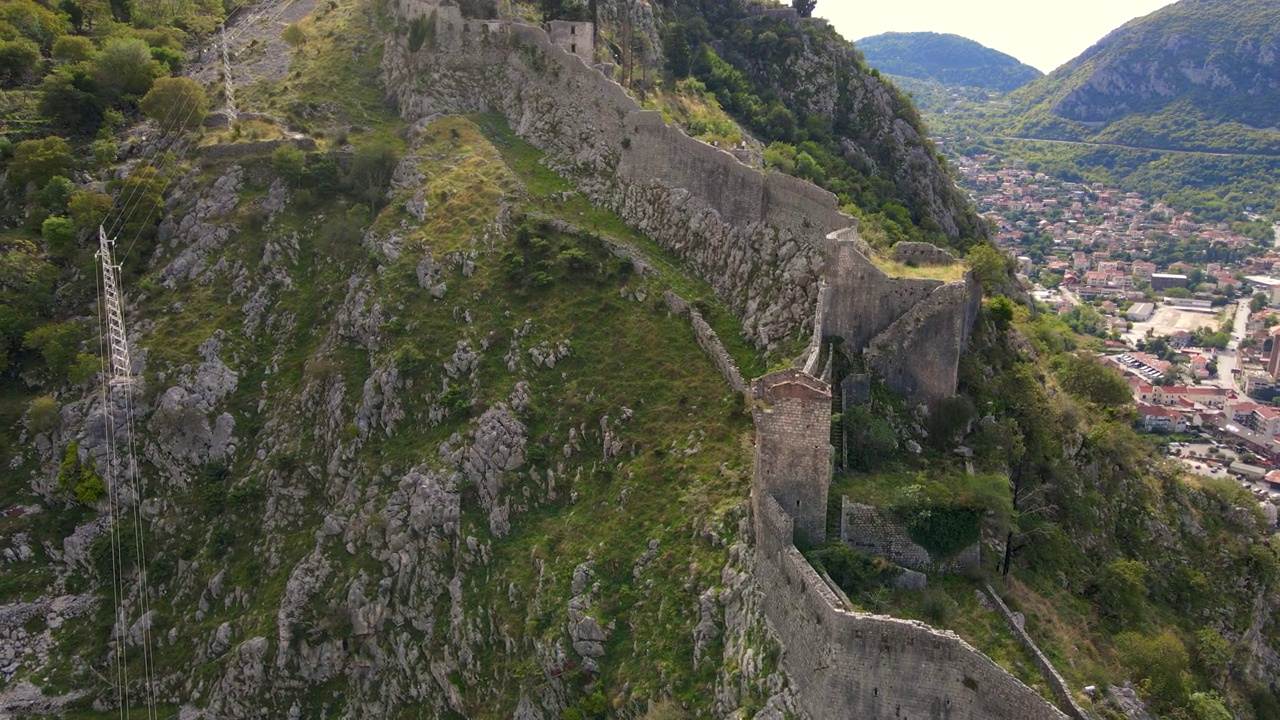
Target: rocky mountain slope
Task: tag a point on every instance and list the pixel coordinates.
(800, 84)
(1197, 73)
(946, 59)
(432, 422)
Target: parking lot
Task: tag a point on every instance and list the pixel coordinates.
(1198, 459)
(1168, 319)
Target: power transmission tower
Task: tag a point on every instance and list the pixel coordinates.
(117, 339)
(230, 90)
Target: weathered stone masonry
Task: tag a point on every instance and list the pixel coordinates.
(760, 239)
(875, 532)
(844, 664)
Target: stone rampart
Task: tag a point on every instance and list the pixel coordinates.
(874, 532)
(919, 254)
(864, 301)
(708, 340)
(756, 238)
(912, 331)
(856, 665)
(932, 335)
(760, 239)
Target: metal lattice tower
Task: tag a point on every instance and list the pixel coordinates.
(121, 367)
(230, 90)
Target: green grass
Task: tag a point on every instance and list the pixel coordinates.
(946, 273)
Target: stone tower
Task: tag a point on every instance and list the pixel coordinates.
(792, 413)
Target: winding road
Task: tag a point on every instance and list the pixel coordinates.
(1135, 147)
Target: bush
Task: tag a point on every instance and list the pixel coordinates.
(124, 68)
(291, 165)
(1159, 665)
(89, 209)
(175, 103)
(19, 62)
(35, 22)
(38, 161)
(853, 571)
(57, 344)
(73, 49)
(59, 236)
(69, 99)
(1120, 589)
(43, 414)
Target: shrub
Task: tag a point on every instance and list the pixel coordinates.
(43, 414)
(38, 161)
(57, 343)
(69, 99)
(1159, 665)
(89, 209)
(73, 49)
(290, 164)
(1120, 589)
(175, 103)
(853, 571)
(19, 61)
(59, 236)
(124, 68)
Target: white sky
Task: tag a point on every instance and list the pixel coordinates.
(1040, 33)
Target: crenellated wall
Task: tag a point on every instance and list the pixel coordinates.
(844, 664)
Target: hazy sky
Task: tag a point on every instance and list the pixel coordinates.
(1040, 33)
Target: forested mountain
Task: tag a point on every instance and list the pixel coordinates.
(1220, 58)
(945, 58)
(1181, 105)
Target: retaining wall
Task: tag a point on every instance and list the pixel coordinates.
(1056, 682)
(844, 664)
(874, 532)
(708, 340)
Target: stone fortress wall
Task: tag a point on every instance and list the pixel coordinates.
(779, 253)
(893, 319)
(760, 239)
(873, 531)
(843, 663)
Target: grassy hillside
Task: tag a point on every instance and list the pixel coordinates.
(634, 471)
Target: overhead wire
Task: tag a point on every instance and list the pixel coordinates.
(184, 110)
(120, 625)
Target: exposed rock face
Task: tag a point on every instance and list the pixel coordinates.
(881, 134)
(1222, 56)
(754, 237)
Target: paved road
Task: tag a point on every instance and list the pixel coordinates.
(1134, 147)
(1227, 358)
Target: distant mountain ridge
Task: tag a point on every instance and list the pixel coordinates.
(1218, 60)
(947, 59)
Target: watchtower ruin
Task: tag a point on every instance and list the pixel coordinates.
(792, 413)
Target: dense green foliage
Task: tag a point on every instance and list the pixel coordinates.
(947, 59)
(741, 56)
(854, 572)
